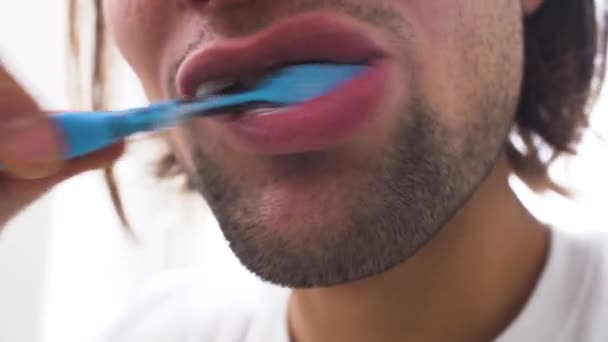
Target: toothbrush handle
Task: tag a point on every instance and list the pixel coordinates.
(85, 132)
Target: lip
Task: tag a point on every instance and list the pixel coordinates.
(305, 38)
(324, 122)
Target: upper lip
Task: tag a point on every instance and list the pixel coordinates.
(306, 38)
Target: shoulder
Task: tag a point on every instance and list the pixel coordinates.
(570, 301)
(182, 306)
(587, 264)
(584, 254)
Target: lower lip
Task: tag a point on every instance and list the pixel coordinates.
(325, 122)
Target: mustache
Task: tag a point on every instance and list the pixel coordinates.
(243, 18)
(246, 17)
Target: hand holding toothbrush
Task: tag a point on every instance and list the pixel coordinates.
(31, 147)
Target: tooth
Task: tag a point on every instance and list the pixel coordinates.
(263, 111)
(243, 82)
(212, 87)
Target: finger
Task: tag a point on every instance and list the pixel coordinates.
(20, 170)
(100, 159)
(27, 136)
(14, 100)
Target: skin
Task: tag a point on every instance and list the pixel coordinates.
(415, 254)
(29, 149)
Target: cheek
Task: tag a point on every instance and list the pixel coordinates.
(462, 46)
(140, 29)
(433, 51)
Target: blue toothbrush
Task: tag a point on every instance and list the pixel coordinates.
(87, 132)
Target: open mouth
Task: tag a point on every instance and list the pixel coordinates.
(237, 85)
(237, 65)
(231, 85)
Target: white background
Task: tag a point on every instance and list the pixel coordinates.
(66, 267)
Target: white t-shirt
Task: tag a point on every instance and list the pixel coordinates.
(569, 304)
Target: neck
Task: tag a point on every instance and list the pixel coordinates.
(467, 284)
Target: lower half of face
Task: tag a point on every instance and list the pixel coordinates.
(350, 187)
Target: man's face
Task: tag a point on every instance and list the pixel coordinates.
(354, 183)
